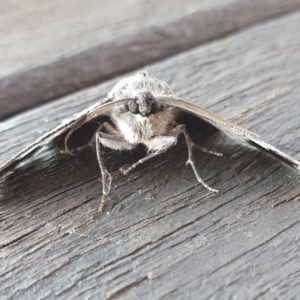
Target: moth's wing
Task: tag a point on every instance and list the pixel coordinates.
(82, 117)
(234, 131)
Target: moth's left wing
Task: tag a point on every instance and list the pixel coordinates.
(234, 131)
(99, 108)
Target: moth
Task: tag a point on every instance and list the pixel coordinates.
(144, 110)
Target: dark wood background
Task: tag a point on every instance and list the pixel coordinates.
(162, 235)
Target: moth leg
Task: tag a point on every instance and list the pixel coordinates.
(190, 144)
(193, 145)
(206, 150)
(115, 142)
(160, 144)
(91, 144)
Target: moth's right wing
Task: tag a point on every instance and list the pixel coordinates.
(232, 130)
(99, 108)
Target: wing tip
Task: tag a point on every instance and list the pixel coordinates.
(276, 153)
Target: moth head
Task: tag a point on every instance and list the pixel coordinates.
(144, 104)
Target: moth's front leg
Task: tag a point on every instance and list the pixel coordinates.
(159, 144)
(112, 141)
(107, 127)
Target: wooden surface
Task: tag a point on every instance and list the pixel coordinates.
(51, 49)
(163, 236)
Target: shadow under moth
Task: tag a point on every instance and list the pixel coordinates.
(144, 110)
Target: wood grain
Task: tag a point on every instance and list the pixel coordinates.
(51, 49)
(163, 236)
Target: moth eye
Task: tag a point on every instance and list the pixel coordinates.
(133, 107)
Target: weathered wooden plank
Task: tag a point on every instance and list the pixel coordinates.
(52, 49)
(163, 236)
